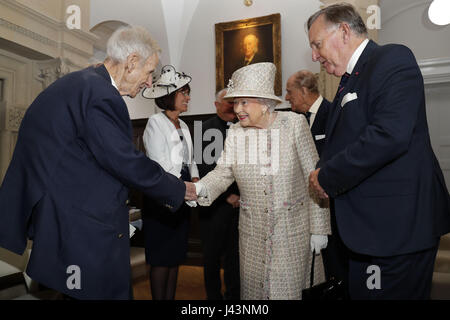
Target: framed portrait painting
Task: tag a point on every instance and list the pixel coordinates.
(243, 42)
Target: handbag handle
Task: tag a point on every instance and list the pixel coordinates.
(311, 281)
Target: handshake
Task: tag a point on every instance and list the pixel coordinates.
(193, 191)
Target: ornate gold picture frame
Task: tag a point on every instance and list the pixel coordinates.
(247, 41)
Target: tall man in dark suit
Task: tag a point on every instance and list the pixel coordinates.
(377, 165)
(219, 222)
(302, 92)
(67, 183)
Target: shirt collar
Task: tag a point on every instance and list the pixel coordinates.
(113, 83)
(354, 59)
(315, 106)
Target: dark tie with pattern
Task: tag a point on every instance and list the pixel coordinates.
(337, 111)
(342, 83)
(308, 116)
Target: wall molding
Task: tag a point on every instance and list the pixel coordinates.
(57, 26)
(31, 14)
(75, 50)
(48, 21)
(28, 33)
(435, 70)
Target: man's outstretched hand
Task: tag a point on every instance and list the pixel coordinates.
(191, 193)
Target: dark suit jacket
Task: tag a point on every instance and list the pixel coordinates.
(319, 125)
(67, 185)
(257, 58)
(378, 164)
(208, 145)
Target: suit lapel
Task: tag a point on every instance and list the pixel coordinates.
(318, 120)
(336, 105)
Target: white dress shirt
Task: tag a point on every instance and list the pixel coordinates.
(113, 83)
(314, 109)
(355, 56)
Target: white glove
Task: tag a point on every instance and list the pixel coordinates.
(191, 203)
(200, 189)
(318, 242)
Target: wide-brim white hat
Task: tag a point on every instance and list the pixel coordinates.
(255, 80)
(169, 81)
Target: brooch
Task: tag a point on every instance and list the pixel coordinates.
(230, 84)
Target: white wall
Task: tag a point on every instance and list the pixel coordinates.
(199, 50)
(197, 57)
(147, 13)
(406, 22)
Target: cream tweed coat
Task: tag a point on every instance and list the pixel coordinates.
(277, 213)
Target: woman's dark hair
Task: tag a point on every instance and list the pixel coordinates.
(167, 102)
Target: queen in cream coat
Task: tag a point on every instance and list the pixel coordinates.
(270, 155)
(277, 214)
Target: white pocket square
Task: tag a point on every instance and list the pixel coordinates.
(319, 137)
(348, 97)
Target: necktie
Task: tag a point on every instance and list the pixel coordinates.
(342, 83)
(337, 111)
(308, 116)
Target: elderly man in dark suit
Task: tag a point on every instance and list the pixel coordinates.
(302, 92)
(67, 184)
(377, 165)
(219, 222)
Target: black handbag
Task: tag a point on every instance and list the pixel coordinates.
(332, 289)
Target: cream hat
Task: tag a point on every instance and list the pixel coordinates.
(169, 81)
(255, 81)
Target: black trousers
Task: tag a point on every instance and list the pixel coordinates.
(402, 277)
(220, 240)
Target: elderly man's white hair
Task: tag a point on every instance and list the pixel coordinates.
(131, 39)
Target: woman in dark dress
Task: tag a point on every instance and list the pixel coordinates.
(167, 141)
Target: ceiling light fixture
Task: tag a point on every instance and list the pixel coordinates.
(439, 12)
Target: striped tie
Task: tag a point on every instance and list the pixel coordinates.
(342, 83)
(308, 116)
